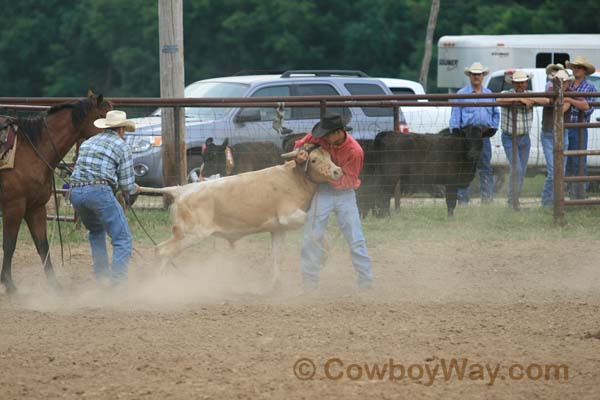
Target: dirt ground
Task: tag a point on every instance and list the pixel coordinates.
(212, 329)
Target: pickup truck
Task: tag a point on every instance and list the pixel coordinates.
(537, 163)
(237, 124)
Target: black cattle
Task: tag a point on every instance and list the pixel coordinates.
(423, 159)
(371, 197)
(241, 157)
(368, 195)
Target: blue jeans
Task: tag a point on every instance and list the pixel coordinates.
(547, 139)
(523, 147)
(573, 161)
(100, 212)
(486, 176)
(343, 202)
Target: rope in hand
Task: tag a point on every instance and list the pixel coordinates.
(147, 234)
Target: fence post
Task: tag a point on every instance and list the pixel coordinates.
(396, 118)
(170, 26)
(582, 158)
(558, 154)
(515, 174)
(323, 108)
(179, 145)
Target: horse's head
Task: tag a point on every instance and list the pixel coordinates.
(96, 107)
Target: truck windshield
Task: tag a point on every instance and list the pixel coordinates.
(207, 90)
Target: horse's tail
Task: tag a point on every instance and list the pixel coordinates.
(171, 191)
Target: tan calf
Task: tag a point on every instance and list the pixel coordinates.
(271, 200)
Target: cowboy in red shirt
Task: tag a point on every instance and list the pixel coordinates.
(336, 196)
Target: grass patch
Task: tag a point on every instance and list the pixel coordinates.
(413, 222)
(475, 222)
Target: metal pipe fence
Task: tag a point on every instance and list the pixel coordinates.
(396, 102)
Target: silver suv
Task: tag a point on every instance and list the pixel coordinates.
(257, 124)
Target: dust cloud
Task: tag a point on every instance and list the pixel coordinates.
(217, 278)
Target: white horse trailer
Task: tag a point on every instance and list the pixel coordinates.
(455, 53)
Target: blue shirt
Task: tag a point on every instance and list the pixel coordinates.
(105, 156)
(464, 116)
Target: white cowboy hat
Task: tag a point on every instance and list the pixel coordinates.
(115, 119)
(564, 76)
(552, 69)
(477, 68)
(517, 76)
(581, 61)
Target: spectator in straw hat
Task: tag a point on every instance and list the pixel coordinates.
(581, 68)
(547, 133)
(524, 117)
(103, 165)
(461, 117)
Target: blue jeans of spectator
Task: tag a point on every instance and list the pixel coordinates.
(547, 139)
(101, 214)
(486, 176)
(343, 202)
(573, 161)
(523, 147)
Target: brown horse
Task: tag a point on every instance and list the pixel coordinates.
(42, 143)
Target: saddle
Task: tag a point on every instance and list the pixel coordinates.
(8, 143)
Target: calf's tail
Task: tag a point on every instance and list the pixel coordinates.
(171, 191)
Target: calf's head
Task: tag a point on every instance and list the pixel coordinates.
(216, 159)
(474, 135)
(319, 166)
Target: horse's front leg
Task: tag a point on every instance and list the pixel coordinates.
(36, 221)
(11, 222)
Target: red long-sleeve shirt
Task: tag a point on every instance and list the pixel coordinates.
(349, 156)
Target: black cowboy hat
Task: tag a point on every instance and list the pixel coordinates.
(329, 123)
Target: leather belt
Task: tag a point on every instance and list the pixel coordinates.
(97, 182)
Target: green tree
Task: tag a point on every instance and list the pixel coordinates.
(64, 47)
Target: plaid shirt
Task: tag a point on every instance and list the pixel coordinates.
(105, 156)
(585, 86)
(524, 119)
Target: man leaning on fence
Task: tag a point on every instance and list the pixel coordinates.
(581, 68)
(104, 165)
(461, 117)
(524, 117)
(547, 133)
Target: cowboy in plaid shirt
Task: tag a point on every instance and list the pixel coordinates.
(105, 163)
(524, 118)
(581, 68)
(107, 158)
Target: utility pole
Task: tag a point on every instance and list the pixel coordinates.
(433, 14)
(170, 31)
